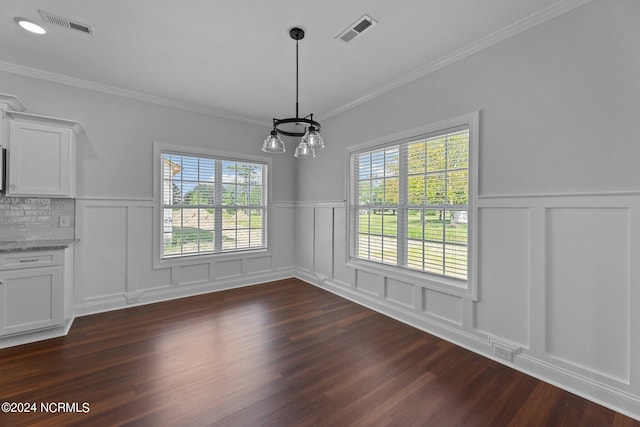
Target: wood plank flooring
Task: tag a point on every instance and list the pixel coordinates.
(279, 354)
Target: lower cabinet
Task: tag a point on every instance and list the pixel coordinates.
(30, 291)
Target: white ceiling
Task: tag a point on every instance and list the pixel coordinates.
(236, 57)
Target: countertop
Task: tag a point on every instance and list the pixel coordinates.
(35, 245)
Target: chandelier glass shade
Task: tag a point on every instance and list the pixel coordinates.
(313, 138)
(304, 151)
(273, 143)
(310, 137)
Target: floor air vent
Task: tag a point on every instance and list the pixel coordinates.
(356, 28)
(66, 22)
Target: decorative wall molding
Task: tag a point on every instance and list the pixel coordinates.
(524, 290)
(604, 199)
(596, 391)
(470, 341)
(323, 204)
(126, 93)
(599, 392)
(559, 195)
(108, 199)
(118, 272)
(115, 302)
(283, 204)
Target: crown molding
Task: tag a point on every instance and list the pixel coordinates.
(12, 102)
(524, 24)
(544, 15)
(35, 118)
(112, 90)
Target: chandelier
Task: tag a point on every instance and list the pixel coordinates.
(311, 139)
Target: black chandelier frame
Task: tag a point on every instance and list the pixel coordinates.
(296, 34)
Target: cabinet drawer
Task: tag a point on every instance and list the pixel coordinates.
(14, 260)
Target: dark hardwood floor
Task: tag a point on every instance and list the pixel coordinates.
(279, 354)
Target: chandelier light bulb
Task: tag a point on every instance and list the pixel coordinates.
(273, 143)
(313, 138)
(303, 151)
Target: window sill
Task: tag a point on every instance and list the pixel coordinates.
(194, 259)
(446, 285)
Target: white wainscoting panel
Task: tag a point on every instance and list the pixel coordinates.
(101, 254)
(261, 264)
(141, 254)
(343, 275)
(557, 280)
(228, 269)
(556, 286)
(114, 265)
(281, 237)
(323, 241)
(502, 308)
(305, 232)
(588, 289)
(442, 306)
(368, 282)
(192, 274)
(400, 292)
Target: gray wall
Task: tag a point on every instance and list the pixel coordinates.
(558, 208)
(559, 107)
(114, 152)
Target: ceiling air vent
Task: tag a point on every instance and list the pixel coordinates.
(356, 28)
(66, 22)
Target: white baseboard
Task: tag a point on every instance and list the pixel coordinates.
(117, 302)
(39, 335)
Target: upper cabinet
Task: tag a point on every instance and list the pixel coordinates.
(41, 156)
(7, 103)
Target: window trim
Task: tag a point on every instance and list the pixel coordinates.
(160, 262)
(458, 287)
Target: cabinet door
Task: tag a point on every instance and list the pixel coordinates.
(39, 160)
(30, 299)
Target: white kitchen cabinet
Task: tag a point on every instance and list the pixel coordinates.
(41, 156)
(7, 103)
(30, 291)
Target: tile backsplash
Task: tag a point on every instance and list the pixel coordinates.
(36, 218)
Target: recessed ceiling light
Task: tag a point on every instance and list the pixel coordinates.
(31, 26)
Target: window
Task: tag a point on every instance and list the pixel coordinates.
(212, 205)
(410, 203)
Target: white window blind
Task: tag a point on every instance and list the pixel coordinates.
(212, 205)
(409, 203)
